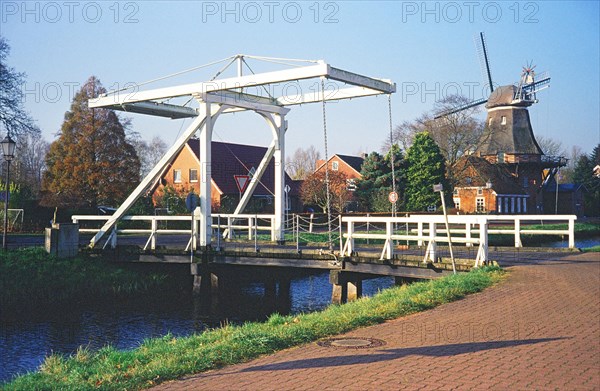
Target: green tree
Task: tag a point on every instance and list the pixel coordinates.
(91, 163)
(373, 188)
(425, 168)
(584, 174)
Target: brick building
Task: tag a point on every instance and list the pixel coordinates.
(349, 166)
(228, 161)
(484, 187)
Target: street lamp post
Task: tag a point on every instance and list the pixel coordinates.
(8, 149)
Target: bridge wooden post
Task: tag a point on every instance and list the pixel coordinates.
(206, 132)
(420, 233)
(482, 252)
(153, 234)
(572, 233)
(468, 233)
(518, 233)
(345, 286)
(431, 251)
(205, 279)
(349, 246)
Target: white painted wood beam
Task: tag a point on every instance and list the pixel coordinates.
(259, 79)
(149, 179)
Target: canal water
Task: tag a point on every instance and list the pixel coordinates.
(26, 339)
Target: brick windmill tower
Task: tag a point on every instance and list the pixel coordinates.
(508, 140)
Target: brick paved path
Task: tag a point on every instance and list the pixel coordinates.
(538, 330)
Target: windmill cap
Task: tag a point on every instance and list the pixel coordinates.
(502, 96)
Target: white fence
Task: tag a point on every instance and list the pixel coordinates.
(158, 226)
(469, 230)
(425, 228)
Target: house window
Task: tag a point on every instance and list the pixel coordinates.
(335, 166)
(455, 192)
(176, 176)
(503, 122)
(525, 182)
(468, 180)
(193, 175)
(350, 185)
(479, 191)
(457, 203)
(479, 204)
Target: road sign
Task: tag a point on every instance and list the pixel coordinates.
(393, 197)
(191, 202)
(242, 182)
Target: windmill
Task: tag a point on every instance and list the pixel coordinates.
(508, 137)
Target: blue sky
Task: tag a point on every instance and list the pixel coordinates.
(426, 48)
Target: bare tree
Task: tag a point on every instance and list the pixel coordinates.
(404, 134)
(550, 146)
(314, 191)
(30, 162)
(149, 153)
(302, 163)
(567, 173)
(456, 134)
(13, 117)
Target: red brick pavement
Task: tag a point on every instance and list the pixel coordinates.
(538, 330)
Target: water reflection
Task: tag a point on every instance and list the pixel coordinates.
(26, 339)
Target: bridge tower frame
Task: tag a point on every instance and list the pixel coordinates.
(228, 95)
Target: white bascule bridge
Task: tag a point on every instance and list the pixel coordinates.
(204, 102)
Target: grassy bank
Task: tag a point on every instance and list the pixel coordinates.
(158, 360)
(30, 277)
(595, 249)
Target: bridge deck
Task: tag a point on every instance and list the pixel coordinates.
(407, 262)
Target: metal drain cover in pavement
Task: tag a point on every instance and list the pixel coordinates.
(352, 343)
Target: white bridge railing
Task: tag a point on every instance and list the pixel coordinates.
(222, 223)
(469, 230)
(425, 228)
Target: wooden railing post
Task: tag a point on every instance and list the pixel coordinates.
(250, 227)
(571, 232)
(468, 233)
(154, 227)
(482, 252)
(431, 251)
(349, 246)
(518, 233)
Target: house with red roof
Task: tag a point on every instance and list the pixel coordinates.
(484, 187)
(348, 165)
(231, 169)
